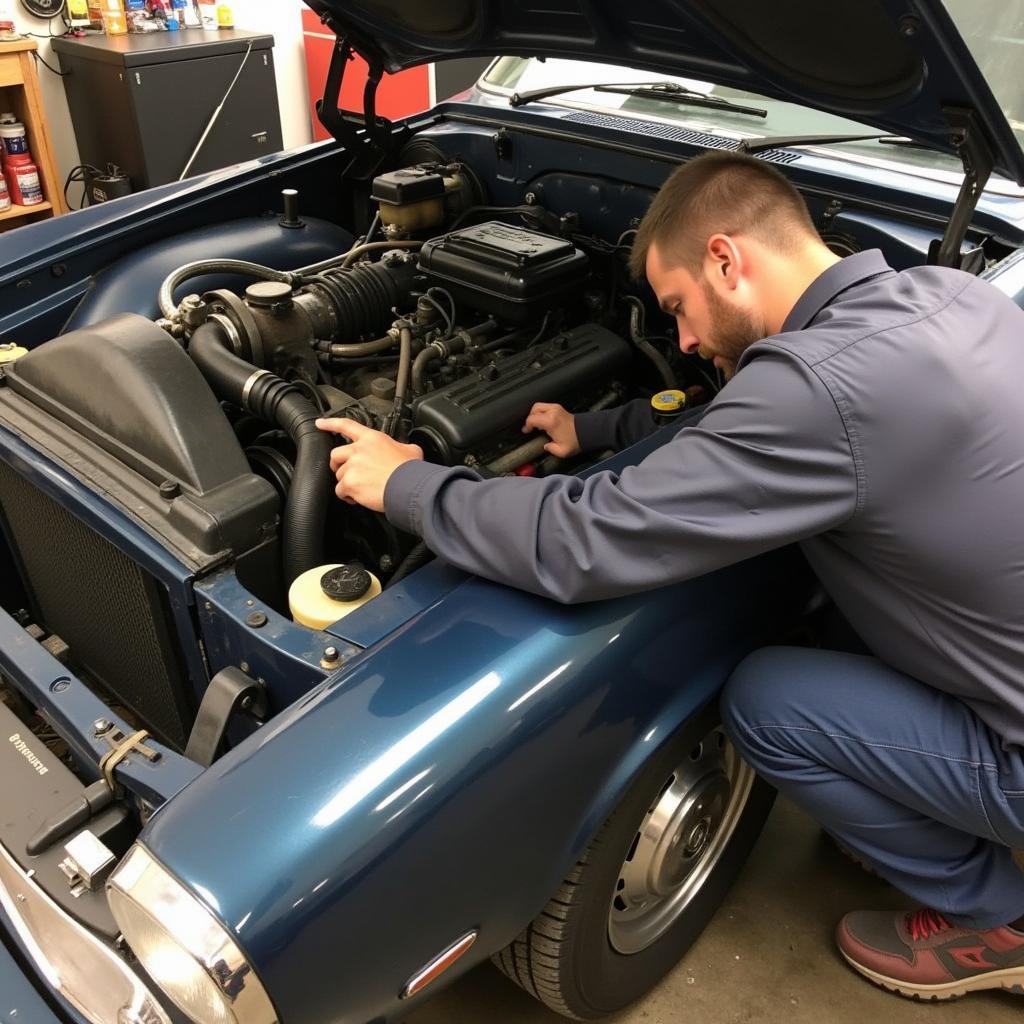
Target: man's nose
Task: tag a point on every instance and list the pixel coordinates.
(688, 343)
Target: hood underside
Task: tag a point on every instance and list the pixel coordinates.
(897, 64)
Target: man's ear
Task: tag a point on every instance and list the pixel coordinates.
(723, 261)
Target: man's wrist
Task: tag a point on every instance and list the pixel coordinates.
(402, 492)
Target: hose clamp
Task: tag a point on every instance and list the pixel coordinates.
(247, 387)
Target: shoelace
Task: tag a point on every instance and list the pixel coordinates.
(923, 923)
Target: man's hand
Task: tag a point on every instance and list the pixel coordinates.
(364, 467)
(559, 424)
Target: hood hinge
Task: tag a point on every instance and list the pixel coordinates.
(975, 153)
(367, 138)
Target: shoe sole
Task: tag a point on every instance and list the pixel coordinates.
(1010, 980)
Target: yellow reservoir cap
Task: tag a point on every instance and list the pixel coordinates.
(668, 401)
(9, 352)
(323, 595)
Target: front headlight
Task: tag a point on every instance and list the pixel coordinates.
(185, 949)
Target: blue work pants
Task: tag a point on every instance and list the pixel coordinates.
(904, 775)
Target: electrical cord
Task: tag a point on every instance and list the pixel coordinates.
(216, 114)
(42, 60)
(77, 176)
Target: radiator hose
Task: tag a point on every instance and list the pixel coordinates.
(270, 398)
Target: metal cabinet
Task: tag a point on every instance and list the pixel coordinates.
(143, 101)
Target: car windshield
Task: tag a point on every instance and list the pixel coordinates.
(518, 74)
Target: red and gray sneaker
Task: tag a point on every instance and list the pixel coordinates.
(923, 956)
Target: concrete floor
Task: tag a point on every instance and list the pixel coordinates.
(767, 956)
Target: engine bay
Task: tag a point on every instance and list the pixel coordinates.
(442, 325)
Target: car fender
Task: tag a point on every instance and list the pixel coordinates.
(445, 780)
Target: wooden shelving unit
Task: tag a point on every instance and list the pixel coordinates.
(19, 92)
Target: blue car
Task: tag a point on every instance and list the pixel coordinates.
(265, 758)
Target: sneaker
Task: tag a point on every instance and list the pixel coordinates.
(923, 956)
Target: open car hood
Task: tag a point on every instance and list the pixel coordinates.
(897, 64)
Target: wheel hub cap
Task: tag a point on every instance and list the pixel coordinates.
(678, 843)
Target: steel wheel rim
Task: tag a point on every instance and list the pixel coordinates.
(679, 843)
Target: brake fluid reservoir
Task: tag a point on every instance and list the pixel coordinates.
(326, 593)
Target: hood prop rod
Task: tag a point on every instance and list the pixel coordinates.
(976, 155)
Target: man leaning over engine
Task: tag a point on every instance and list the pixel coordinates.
(873, 417)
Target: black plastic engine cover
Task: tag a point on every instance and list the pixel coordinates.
(465, 415)
(509, 272)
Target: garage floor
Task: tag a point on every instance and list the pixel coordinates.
(744, 968)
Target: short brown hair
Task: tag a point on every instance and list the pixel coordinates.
(717, 192)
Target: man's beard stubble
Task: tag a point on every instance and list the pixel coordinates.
(733, 332)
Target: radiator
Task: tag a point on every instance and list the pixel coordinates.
(113, 614)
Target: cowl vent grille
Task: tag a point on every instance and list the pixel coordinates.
(673, 133)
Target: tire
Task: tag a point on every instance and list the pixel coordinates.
(589, 952)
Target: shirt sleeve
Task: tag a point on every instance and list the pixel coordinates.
(616, 428)
(770, 463)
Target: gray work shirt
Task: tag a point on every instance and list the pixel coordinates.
(882, 429)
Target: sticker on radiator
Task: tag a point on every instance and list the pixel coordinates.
(23, 748)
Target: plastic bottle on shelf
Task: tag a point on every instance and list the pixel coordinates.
(23, 184)
(5, 196)
(15, 141)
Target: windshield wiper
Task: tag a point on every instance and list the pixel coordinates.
(759, 145)
(671, 92)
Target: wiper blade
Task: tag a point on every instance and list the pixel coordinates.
(759, 145)
(519, 99)
(897, 140)
(670, 91)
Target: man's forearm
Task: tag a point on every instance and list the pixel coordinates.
(616, 428)
(625, 425)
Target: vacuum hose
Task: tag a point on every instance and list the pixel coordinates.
(270, 398)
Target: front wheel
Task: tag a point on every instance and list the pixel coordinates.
(649, 881)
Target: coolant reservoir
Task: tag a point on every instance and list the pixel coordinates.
(326, 593)
(9, 352)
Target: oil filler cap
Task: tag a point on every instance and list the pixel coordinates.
(345, 583)
(668, 401)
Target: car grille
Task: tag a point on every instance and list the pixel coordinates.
(113, 615)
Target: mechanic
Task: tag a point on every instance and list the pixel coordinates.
(874, 417)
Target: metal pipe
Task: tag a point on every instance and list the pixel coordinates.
(534, 448)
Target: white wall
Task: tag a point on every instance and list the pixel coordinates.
(282, 18)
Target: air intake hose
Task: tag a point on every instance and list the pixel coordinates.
(363, 297)
(270, 398)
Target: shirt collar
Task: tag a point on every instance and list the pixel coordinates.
(829, 283)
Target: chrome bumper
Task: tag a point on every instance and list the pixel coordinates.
(72, 961)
